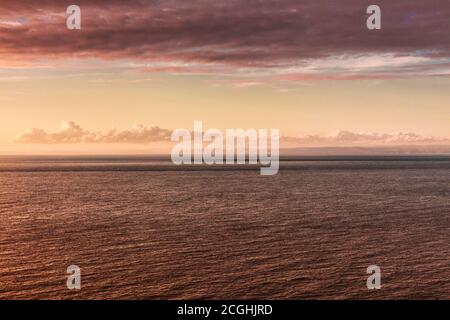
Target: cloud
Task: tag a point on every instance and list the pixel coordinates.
(300, 39)
(71, 133)
(7, 23)
(349, 138)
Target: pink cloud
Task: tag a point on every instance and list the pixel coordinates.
(349, 138)
(265, 36)
(72, 133)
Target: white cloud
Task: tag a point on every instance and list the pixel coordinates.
(344, 138)
(11, 23)
(381, 64)
(70, 133)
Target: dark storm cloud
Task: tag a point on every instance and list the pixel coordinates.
(238, 34)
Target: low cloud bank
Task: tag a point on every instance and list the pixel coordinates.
(343, 138)
(71, 133)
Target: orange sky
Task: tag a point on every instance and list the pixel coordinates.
(325, 93)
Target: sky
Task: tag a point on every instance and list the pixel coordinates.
(139, 69)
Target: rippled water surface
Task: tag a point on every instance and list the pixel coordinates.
(146, 230)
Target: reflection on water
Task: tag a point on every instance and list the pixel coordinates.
(144, 230)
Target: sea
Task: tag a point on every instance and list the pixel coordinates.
(141, 228)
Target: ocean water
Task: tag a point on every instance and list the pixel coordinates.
(143, 229)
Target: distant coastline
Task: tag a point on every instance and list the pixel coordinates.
(159, 163)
